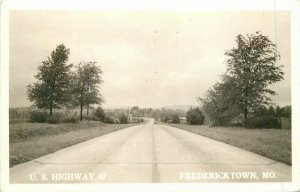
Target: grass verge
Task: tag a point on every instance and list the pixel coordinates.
(271, 143)
(28, 141)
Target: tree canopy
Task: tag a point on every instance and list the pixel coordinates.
(52, 89)
(86, 88)
(251, 68)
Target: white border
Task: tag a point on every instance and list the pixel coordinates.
(293, 6)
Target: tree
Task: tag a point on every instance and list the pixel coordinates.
(286, 111)
(86, 85)
(52, 89)
(194, 116)
(100, 114)
(220, 103)
(278, 111)
(261, 111)
(253, 66)
(123, 119)
(175, 118)
(271, 111)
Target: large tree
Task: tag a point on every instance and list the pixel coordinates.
(86, 87)
(221, 103)
(53, 81)
(253, 66)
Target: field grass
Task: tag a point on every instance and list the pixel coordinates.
(31, 140)
(271, 143)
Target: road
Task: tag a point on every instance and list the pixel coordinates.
(150, 153)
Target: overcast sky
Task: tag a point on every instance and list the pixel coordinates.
(149, 58)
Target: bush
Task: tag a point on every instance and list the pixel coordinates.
(236, 124)
(53, 119)
(38, 117)
(175, 119)
(90, 118)
(109, 120)
(195, 116)
(100, 114)
(69, 120)
(44, 117)
(165, 119)
(262, 122)
(123, 119)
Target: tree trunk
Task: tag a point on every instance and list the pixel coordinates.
(88, 110)
(245, 115)
(81, 106)
(88, 99)
(51, 106)
(246, 107)
(81, 112)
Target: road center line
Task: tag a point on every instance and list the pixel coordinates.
(155, 171)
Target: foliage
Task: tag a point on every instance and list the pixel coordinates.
(109, 120)
(278, 111)
(271, 111)
(195, 116)
(69, 120)
(100, 114)
(54, 119)
(253, 66)
(262, 122)
(86, 85)
(286, 111)
(38, 117)
(261, 111)
(58, 117)
(167, 115)
(123, 119)
(53, 81)
(220, 102)
(175, 118)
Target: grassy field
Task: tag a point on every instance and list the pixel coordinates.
(32, 140)
(271, 143)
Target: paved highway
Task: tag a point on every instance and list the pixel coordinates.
(150, 153)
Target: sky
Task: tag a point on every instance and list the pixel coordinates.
(149, 58)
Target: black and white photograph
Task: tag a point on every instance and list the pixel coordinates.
(150, 96)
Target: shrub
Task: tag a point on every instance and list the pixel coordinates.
(195, 116)
(165, 119)
(90, 118)
(236, 124)
(175, 119)
(54, 119)
(69, 120)
(38, 117)
(123, 119)
(100, 114)
(109, 120)
(262, 122)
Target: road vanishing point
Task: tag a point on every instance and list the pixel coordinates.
(150, 153)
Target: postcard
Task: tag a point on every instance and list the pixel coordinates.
(150, 96)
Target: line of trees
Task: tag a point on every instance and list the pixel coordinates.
(251, 68)
(60, 85)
